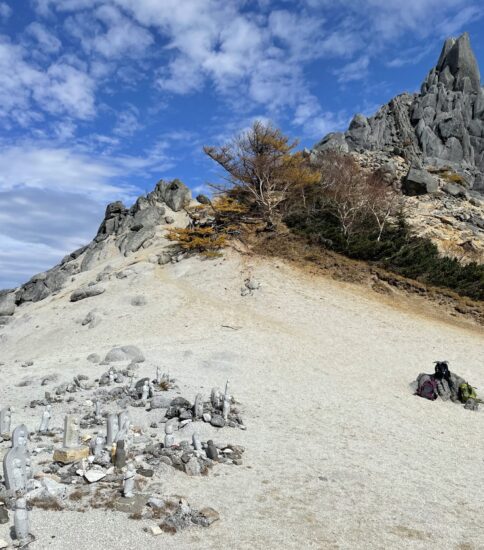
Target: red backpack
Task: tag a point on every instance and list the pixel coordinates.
(427, 387)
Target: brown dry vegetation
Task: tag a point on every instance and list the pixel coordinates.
(300, 252)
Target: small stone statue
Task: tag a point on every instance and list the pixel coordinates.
(98, 445)
(97, 412)
(21, 521)
(29, 473)
(19, 476)
(152, 389)
(226, 407)
(112, 429)
(216, 398)
(169, 437)
(120, 455)
(198, 406)
(44, 423)
(111, 377)
(71, 432)
(197, 444)
(124, 426)
(5, 420)
(129, 479)
(211, 450)
(20, 436)
(146, 391)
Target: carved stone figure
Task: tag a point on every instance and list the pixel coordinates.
(97, 412)
(216, 398)
(21, 521)
(198, 406)
(129, 479)
(197, 444)
(169, 437)
(146, 391)
(71, 432)
(20, 436)
(18, 475)
(112, 429)
(5, 420)
(226, 407)
(120, 455)
(124, 424)
(46, 416)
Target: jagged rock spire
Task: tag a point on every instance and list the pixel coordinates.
(443, 125)
(457, 67)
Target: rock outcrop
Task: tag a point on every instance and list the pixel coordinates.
(122, 231)
(442, 126)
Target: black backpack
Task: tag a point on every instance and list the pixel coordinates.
(442, 370)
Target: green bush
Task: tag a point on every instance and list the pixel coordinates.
(398, 251)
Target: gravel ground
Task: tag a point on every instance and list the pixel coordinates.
(339, 453)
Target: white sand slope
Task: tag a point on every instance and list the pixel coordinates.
(339, 453)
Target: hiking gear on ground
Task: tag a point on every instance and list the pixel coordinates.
(442, 370)
(466, 392)
(471, 405)
(444, 391)
(427, 387)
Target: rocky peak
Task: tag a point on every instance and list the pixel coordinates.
(442, 126)
(457, 67)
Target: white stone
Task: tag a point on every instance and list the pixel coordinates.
(94, 475)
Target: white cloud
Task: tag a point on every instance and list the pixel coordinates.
(60, 89)
(52, 200)
(46, 41)
(68, 90)
(39, 226)
(5, 11)
(107, 32)
(356, 70)
(127, 122)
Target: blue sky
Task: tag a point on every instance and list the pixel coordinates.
(99, 99)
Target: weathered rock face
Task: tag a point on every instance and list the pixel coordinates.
(7, 303)
(123, 231)
(441, 126)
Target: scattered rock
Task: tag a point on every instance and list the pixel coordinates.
(125, 353)
(86, 292)
(139, 301)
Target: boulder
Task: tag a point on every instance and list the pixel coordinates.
(419, 182)
(455, 190)
(125, 353)
(7, 303)
(86, 292)
(174, 194)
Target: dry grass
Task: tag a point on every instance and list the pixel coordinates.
(46, 504)
(296, 249)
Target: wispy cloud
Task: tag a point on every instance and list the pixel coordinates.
(5, 11)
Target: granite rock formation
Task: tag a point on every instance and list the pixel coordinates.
(442, 126)
(123, 231)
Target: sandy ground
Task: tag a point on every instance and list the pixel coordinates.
(339, 453)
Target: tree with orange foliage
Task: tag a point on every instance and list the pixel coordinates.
(262, 168)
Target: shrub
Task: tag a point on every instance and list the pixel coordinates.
(261, 169)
